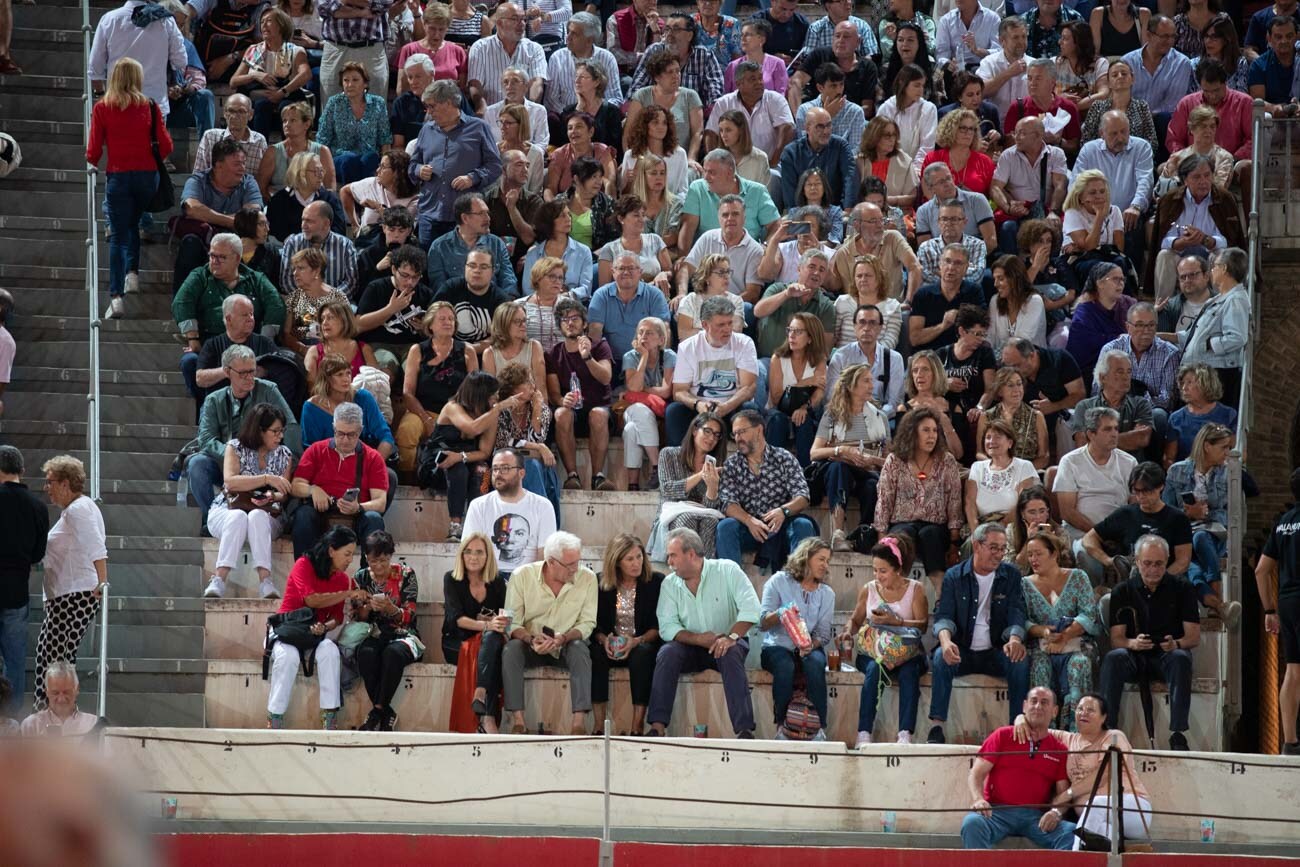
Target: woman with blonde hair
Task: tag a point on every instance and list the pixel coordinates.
(302, 308)
(121, 122)
(474, 596)
(432, 373)
(653, 133)
(333, 387)
(338, 336)
(450, 61)
(870, 286)
(804, 582)
(957, 145)
(547, 279)
(1091, 221)
(927, 386)
(648, 375)
(796, 386)
(1198, 486)
(510, 343)
(304, 183)
(663, 207)
(295, 122)
(517, 135)
(627, 626)
(713, 277)
(852, 437)
(880, 156)
(751, 164)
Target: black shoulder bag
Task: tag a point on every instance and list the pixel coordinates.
(164, 198)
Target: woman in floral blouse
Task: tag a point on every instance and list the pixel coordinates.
(919, 492)
(354, 126)
(394, 642)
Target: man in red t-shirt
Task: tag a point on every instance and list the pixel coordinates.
(326, 476)
(1042, 101)
(1011, 782)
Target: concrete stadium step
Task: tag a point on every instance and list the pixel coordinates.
(135, 642)
(55, 17)
(136, 709)
(178, 552)
(177, 411)
(131, 611)
(148, 312)
(112, 332)
(69, 248)
(113, 354)
(47, 132)
(35, 84)
(114, 465)
(135, 520)
(161, 581)
(61, 108)
(236, 698)
(111, 382)
(160, 439)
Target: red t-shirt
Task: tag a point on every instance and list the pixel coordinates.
(1026, 107)
(1021, 778)
(302, 582)
(322, 467)
(976, 177)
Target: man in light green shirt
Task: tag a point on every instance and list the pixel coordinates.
(553, 606)
(706, 608)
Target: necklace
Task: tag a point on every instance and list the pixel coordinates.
(921, 470)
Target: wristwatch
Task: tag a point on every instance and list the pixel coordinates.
(733, 636)
(785, 511)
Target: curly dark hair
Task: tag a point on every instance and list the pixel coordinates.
(638, 135)
(658, 63)
(906, 436)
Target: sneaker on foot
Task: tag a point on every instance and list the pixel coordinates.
(840, 542)
(1231, 614)
(387, 720)
(1291, 749)
(216, 588)
(780, 734)
(905, 738)
(820, 736)
(132, 283)
(372, 720)
(936, 736)
(1178, 741)
(116, 308)
(600, 483)
(864, 739)
(573, 483)
(267, 589)
(454, 529)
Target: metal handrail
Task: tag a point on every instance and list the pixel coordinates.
(92, 295)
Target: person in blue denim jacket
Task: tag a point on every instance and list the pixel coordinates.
(982, 603)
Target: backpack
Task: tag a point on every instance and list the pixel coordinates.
(284, 368)
(801, 720)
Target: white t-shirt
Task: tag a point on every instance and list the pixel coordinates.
(1078, 220)
(790, 260)
(369, 188)
(980, 639)
(1101, 489)
(517, 530)
(651, 245)
(679, 176)
(690, 308)
(8, 349)
(712, 372)
(995, 490)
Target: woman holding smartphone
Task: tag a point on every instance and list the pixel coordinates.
(474, 599)
(394, 641)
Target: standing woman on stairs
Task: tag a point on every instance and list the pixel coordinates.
(76, 566)
(122, 122)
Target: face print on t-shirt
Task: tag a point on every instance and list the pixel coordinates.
(510, 536)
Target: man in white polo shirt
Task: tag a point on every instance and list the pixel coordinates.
(771, 127)
(1092, 481)
(732, 241)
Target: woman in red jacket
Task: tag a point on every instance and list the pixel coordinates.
(122, 121)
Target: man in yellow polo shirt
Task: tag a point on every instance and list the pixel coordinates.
(554, 608)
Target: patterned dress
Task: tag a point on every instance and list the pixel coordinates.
(1069, 673)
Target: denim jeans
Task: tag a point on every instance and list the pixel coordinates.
(13, 655)
(844, 481)
(781, 663)
(126, 196)
(205, 474)
(781, 429)
(992, 662)
(980, 832)
(908, 678)
(734, 537)
(189, 372)
(1207, 551)
(351, 166)
(543, 481)
(309, 525)
(198, 110)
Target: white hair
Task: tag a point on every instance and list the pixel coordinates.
(559, 542)
(230, 240)
(348, 413)
(62, 668)
(231, 300)
(421, 60)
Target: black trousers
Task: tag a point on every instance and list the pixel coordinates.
(381, 662)
(640, 664)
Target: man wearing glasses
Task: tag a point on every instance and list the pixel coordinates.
(886, 364)
(579, 371)
(517, 521)
(819, 148)
(980, 624)
(222, 417)
(341, 480)
(952, 222)
(213, 197)
(1147, 514)
(782, 301)
(554, 607)
(701, 71)
(238, 112)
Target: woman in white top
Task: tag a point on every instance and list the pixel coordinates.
(391, 187)
(751, 163)
(76, 568)
(1090, 219)
(547, 275)
(713, 277)
(995, 482)
(1017, 309)
(649, 248)
(653, 131)
(916, 116)
(256, 460)
(851, 438)
(799, 368)
(870, 286)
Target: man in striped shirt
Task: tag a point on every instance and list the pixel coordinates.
(340, 255)
(353, 30)
(489, 58)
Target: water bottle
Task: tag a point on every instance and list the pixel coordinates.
(182, 489)
(575, 386)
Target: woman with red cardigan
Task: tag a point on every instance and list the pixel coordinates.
(122, 121)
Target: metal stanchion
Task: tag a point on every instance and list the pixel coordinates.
(606, 844)
(103, 650)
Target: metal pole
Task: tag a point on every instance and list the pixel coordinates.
(103, 651)
(92, 270)
(606, 844)
(1116, 806)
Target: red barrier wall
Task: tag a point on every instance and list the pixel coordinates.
(658, 855)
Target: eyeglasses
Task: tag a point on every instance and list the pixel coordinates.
(1141, 489)
(739, 432)
(796, 331)
(249, 372)
(346, 435)
(1143, 326)
(710, 432)
(724, 271)
(275, 430)
(1187, 278)
(995, 548)
(496, 470)
(568, 567)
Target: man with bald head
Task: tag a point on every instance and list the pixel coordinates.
(819, 148)
(238, 112)
(1128, 165)
(340, 255)
(861, 76)
(1021, 190)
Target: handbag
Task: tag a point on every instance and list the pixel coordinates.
(794, 397)
(246, 501)
(164, 198)
(462, 692)
(294, 629)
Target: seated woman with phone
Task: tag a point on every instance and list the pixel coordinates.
(251, 504)
(394, 642)
(474, 599)
(689, 480)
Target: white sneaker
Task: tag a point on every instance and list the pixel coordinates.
(840, 542)
(267, 589)
(905, 738)
(780, 734)
(864, 739)
(132, 283)
(216, 588)
(820, 736)
(116, 308)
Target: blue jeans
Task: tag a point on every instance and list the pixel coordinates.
(189, 370)
(543, 481)
(126, 196)
(908, 678)
(351, 166)
(678, 418)
(1207, 551)
(205, 475)
(13, 655)
(734, 537)
(992, 662)
(844, 481)
(1007, 243)
(198, 110)
(978, 832)
(309, 525)
(781, 663)
(781, 429)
